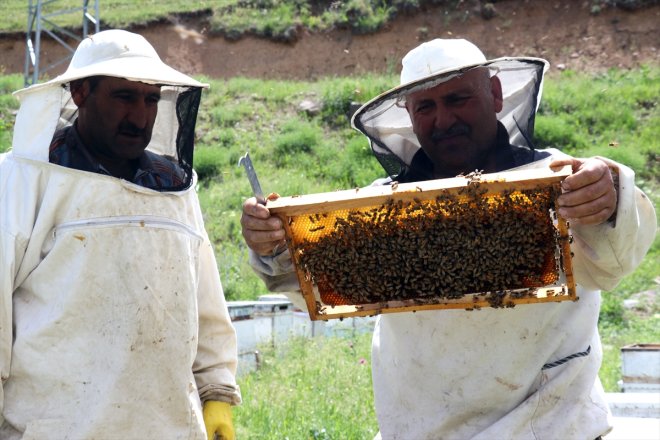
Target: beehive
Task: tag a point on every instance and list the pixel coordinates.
(491, 240)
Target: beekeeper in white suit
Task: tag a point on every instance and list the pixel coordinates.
(530, 372)
(113, 322)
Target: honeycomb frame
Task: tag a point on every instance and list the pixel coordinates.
(311, 220)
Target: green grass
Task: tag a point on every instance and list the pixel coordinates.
(317, 388)
(8, 106)
(638, 327)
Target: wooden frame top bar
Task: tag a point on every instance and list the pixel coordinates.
(373, 195)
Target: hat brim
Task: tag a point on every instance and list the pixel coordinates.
(435, 79)
(142, 69)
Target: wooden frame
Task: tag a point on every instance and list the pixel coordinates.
(316, 208)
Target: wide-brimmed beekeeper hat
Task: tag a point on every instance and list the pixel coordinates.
(120, 54)
(385, 120)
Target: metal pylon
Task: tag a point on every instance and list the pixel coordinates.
(41, 16)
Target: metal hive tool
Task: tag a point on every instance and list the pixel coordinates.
(490, 240)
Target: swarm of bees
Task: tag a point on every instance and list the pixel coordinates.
(460, 242)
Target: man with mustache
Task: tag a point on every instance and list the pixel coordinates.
(530, 372)
(456, 125)
(114, 126)
(113, 321)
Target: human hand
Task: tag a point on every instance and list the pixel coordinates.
(217, 420)
(262, 232)
(589, 196)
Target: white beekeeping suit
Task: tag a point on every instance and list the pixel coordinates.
(113, 323)
(530, 372)
(526, 373)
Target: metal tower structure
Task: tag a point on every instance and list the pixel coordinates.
(42, 15)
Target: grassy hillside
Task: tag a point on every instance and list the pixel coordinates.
(268, 18)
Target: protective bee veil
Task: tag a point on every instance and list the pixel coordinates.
(118, 54)
(385, 120)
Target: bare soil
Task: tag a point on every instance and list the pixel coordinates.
(565, 32)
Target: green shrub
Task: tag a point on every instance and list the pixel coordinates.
(558, 131)
(364, 16)
(229, 112)
(208, 164)
(352, 165)
(297, 137)
(337, 99)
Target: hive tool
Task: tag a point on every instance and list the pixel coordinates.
(252, 177)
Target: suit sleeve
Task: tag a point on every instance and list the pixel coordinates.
(12, 250)
(278, 274)
(215, 365)
(605, 253)
(6, 290)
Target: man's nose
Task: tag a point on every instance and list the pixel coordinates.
(140, 114)
(444, 117)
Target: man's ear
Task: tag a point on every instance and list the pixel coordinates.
(496, 90)
(80, 91)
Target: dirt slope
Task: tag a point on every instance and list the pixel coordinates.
(563, 31)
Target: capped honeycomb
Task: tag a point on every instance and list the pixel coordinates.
(475, 243)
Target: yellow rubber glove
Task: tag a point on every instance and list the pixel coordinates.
(217, 419)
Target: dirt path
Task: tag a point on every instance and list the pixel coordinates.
(562, 31)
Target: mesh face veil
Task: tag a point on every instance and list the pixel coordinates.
(385, 120)
(120, 54)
